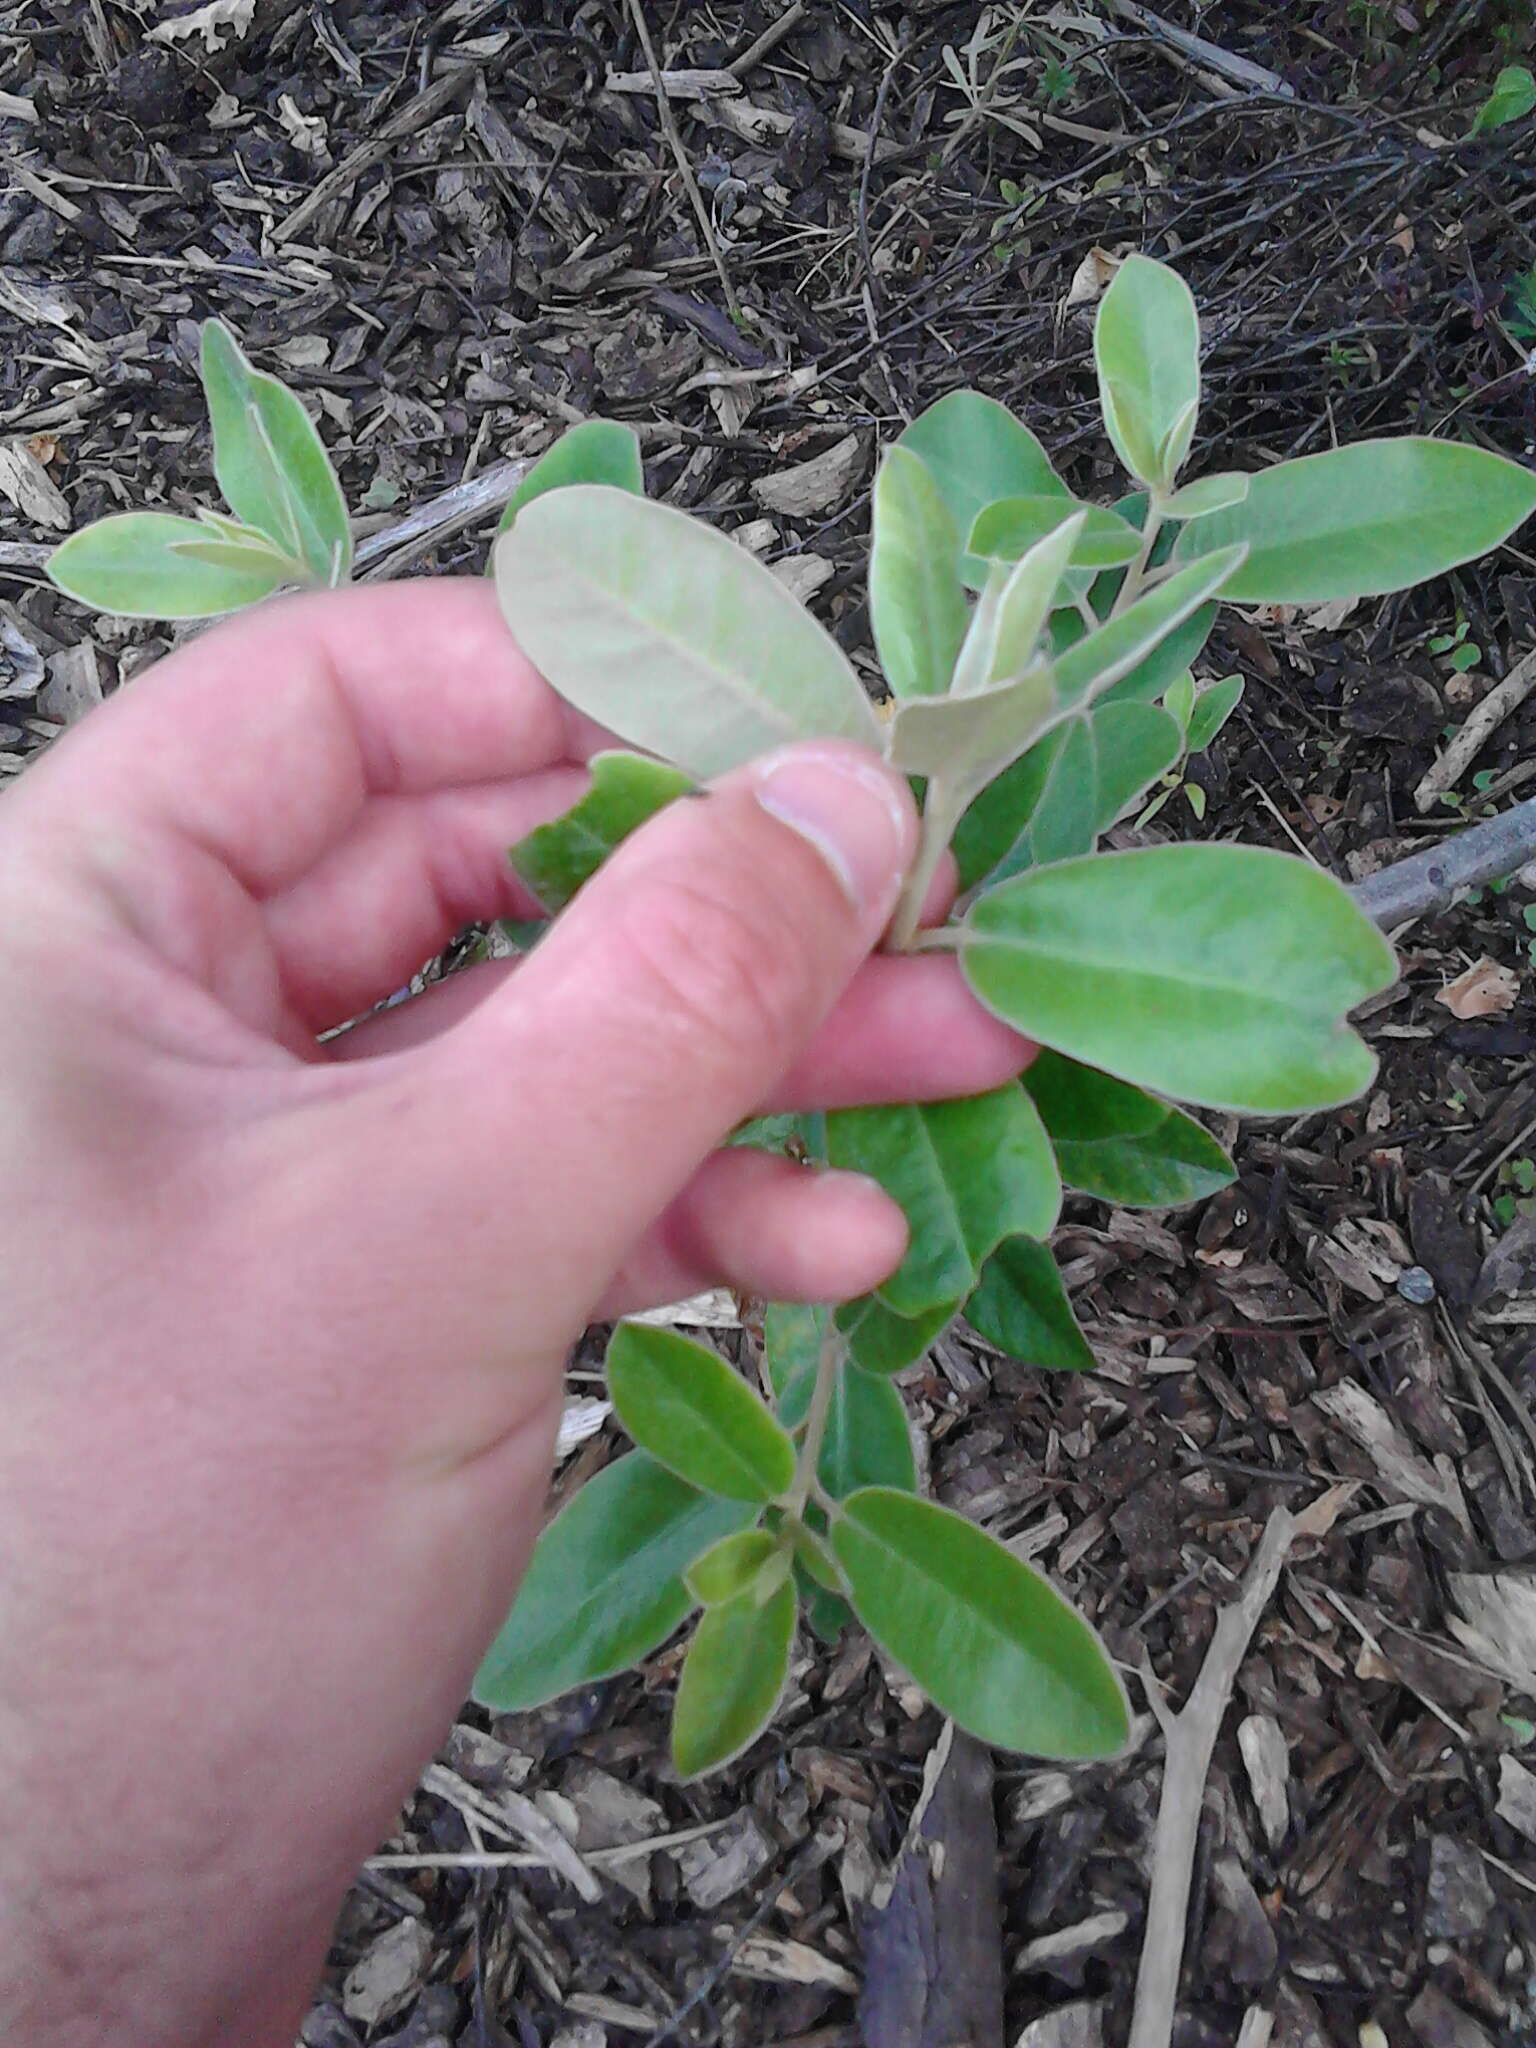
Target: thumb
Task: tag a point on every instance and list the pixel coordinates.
(669, 997)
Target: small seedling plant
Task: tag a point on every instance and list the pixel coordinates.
(1037, 655)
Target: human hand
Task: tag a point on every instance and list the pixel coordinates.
(286, 1321)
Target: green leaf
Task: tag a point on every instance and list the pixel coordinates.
(1146, 347)
(967, 741)
(985, 1636)
(556, 859)
(239, 555)
(1010, 616)
(882, 1342)
(917, 604)
(1089, 666)
(976, 452)
(867, 1442)
(1512, 98)
(670, 634)
(270, 461)
(827, 1614)
(1360, 521)
(135, 565)
(1213, 707)
(1179, 700)
(596, 452)
(1021, 1306)
(681, 1402)
(1067, 789)
(732, 1678)
(965, 1173)
(1208, 494)
(1011, 527)
(1120, 1144)
(1216, 974)
(732, 1566)
(605, 1585)
(1148, 680)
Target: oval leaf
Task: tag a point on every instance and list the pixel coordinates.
(1146, 347)
(867, 1441)
(976, 452)
(965, 1173)
(596, 452)
(1216, 974)
(1177, 1162)
(605, 1585)
(1089, 667)
(1361, 521)
(270, 461)
(1081, 1105)
(1006, 626)
(1010, 528)
(728, 1568)
(881, 1342)
(917, 604)
(967, 741)
(987, 1638)
(681, 1402)
(670, 634)
(137, 565)
(1208, 494)
(558, 858)
(731, 1681)
(1021, 1306)
(1212, 708)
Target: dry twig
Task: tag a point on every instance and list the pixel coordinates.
(1482, 721)
(1190, 1737)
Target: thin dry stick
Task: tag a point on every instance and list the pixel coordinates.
(680, 156)
(1190, 1737)
(387, 552)
(1482, 721)
(1429, 882)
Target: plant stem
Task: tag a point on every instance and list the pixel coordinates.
(827, 1368)
(1136, 575)
(943, 808)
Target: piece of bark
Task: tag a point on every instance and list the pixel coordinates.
(933, 1975)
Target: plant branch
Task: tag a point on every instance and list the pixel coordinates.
(1190, 1738)
(943, 807)
(1136, 575)
(828, 1366)
(1429, 882)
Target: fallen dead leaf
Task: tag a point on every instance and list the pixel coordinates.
(1091, 278)
(30, 488)
(1483, 990)
(209, 22)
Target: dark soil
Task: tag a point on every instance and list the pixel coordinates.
(451, 230)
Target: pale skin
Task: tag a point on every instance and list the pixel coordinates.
(285, 1322)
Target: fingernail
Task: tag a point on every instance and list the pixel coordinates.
(849, 808)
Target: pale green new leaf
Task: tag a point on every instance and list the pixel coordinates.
(1010, 528)
(1216, 974)
(966, 741)
(1021, 1306)
(605, 1585)
(683, 1404)
(987, 1638)
(731, 1680)
(965, 1174)
(556, 859)
(976, 452)
(1213, 707)
(734, 1566)
(1360, 521)
(595, 452)
(917, 605)
(1011, 614)
(270, 461)
(1146, 348)
(669, 634)
(1512, 98)
(1179, 700)
(867, 1441)
(137, 565)
(1090, 666)
(1208, 494)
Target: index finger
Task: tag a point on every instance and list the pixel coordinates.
(262, 740)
